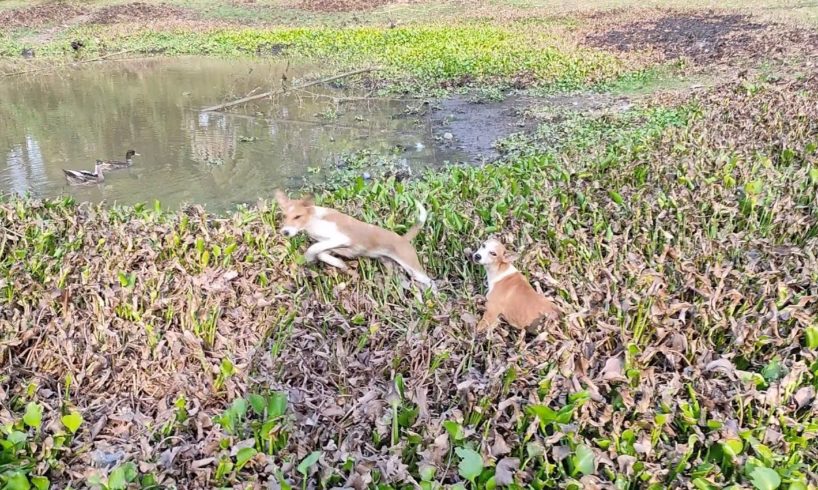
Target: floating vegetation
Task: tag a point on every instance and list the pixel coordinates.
(178, 349)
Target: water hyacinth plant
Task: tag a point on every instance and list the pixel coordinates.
(142, 347)
(680, 242)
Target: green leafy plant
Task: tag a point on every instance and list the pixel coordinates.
(34, 415)
(471, 464)
(765, 479)
(582, 462)
(72, 421)
(119, 478)
(226, 370)
(306, 465)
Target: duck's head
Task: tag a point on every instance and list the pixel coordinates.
(98, 167)
(130, 154)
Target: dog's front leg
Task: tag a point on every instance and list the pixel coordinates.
(490, 317)
(331, 260)
(319, 248)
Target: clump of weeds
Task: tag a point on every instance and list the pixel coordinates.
(416, 59)
(679, 239)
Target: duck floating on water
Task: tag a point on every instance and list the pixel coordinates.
(80, 177)
(114, 164)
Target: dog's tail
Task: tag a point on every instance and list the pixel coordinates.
(413, 231)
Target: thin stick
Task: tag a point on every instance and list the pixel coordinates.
(342, 100)
(295, 121)
(271, 93)
(11, 232)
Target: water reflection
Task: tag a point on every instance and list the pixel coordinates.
(212, 139)
(71, 118)
(24, 164)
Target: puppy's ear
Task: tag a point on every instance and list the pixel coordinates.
(307, 200)
(507, 257)
(281, 198)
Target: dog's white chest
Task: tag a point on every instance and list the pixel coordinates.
(320, 230)
(492, 280)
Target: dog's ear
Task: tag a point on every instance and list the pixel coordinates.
(508, 257)
(307, 200)
(281, 198)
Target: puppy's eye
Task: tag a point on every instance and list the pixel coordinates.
(494, 254)
(298, 217)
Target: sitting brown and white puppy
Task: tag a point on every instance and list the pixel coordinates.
(338, 234)
(510, 296)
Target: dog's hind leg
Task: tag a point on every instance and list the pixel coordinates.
(319, 248)
(345, 252)
(416, 273)
(407, 258)
(333, 261)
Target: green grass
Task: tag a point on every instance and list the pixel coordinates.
(679, 239)
(411, 58)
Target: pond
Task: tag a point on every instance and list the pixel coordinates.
(72, 117)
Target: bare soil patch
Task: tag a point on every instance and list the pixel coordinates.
(702, 37)
(475, 127)
(138, 11)
(38, 15)
(346, 5)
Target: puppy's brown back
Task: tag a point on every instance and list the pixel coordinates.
(519, 304)
(368, 239)
(363, 234)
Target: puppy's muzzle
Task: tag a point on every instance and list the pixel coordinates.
(288, 231)
(476, 257)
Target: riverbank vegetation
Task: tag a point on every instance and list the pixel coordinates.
(152, 348)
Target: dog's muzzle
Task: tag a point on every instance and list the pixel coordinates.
(476, 257)
(289, 231)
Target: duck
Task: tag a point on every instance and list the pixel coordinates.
(114, 164)
(80, 177)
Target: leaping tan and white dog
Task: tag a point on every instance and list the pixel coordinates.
(338, 234)
(510, 296)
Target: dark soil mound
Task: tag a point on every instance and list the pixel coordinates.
(138, 11)
(702, 37)
(39, 15)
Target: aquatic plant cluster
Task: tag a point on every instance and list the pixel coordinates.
(414, 59)
(145, 349)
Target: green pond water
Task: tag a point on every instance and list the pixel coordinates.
(73, 116)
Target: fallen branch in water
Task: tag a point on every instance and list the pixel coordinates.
(50, 67)
(250, 98)
(296, 122)
(342, 100)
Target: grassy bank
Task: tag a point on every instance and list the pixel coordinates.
(680, 239)
(421, 47)
(413, 59)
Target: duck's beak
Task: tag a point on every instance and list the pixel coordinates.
(137, 155)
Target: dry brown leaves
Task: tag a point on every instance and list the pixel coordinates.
(58, 12)
(138, 12)
(38, 15)
(645, 328)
